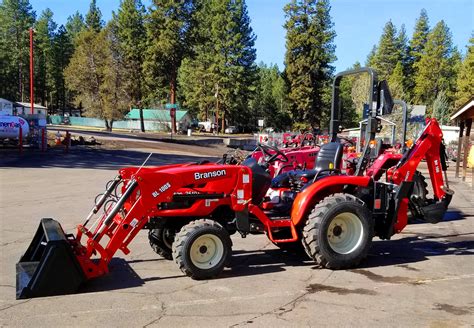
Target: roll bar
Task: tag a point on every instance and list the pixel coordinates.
(335, 106)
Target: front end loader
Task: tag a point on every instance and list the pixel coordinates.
(192, 209)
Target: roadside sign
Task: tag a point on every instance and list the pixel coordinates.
(171, 106)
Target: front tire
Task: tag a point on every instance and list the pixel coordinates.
(338, 232)
(202, 249)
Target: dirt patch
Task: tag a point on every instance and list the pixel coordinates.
(315, 288)
(456, 310)
(379, 278)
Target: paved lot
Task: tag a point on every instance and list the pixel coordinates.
(424, 277)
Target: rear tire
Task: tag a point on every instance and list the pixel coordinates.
(338, 232)
(420, 192)
(202, 249)
(161, 241)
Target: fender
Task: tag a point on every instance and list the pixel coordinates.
(307, 199)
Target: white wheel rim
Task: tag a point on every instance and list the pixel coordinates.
(345, 233)
(206, 251)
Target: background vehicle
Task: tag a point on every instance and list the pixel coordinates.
(231, 130)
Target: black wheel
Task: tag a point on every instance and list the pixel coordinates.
(202, 249)
(161, 241)
(339, 232)
(418, 196)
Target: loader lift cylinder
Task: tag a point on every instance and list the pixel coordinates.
(108, 220)
(103, 198)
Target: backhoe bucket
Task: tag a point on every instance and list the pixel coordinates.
(49, 266)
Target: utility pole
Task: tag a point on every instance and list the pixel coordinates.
(216, 125)
(142, 123)
(32, 94)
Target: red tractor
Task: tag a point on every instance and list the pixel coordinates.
(192, 209)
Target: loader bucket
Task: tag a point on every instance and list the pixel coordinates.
(49, 266)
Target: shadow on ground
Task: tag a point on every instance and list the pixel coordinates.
(399, 253)
(450, 215)
(90, 158)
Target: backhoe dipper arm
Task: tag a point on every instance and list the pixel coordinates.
(429, 146)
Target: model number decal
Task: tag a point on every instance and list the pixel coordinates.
(162, 189)
(212, 174)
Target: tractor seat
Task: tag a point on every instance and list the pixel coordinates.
(329, 157)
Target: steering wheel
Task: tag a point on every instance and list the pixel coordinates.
(347, 141)
(272, 157)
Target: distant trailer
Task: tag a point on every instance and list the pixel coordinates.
(10, 127)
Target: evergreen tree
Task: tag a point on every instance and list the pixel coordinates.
(94, 74)
(45, 30)
(168, 30)
(388, 53)
(16, 18)
(131, 42)
(309, 54)
(62, 52)
(465, 81)
(94, 17)
(441, 108)
(269, 102)
(416, 49)
(218, 80)
(369, 62)
(75, 24)
(396, 82)
(420, 37)
(435, 70)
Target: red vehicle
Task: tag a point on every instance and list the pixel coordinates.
(298, 140)
(286, 159)
(333, 216)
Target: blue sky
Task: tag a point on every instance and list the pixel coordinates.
(358, 23)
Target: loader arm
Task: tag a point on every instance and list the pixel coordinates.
(139, 202)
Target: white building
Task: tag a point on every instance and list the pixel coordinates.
(6, 107)
(23, 108)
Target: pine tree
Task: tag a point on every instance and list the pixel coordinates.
(435, 72)
(309, 54)
(75, 24)
(62, 52)
(269, 102)
(94, 74)
(16, 18)
(396, 82)
(420, 36)
(416, 50)
(441, 108)
(168, 32)
(465, 81)
(369, 62)
(131, 42)
(387, 54)
(94, 17)
(45, 30)
(218, 80)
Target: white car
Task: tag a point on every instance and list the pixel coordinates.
(231, 130)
